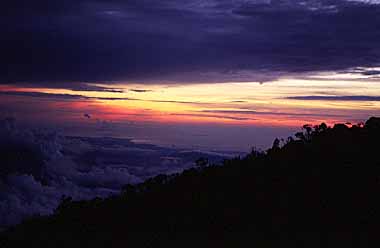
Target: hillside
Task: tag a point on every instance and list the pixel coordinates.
(320, 188)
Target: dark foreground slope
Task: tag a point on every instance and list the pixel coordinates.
(319, 189)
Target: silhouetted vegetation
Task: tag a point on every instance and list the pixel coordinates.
(319, 189)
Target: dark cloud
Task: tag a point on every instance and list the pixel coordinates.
(43, 95)
(76, 86)
(228, 117)
(336, 98)
(89, 87)
(140, 90)
(253, 112)
(69, 97)
(47, 42)
(372, 73)
(59, 96)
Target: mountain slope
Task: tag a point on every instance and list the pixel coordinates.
(318, 189)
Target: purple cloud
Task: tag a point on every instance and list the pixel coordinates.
(63, 42)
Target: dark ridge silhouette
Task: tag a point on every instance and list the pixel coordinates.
(320, 188)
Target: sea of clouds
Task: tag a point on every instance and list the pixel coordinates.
(39, 167)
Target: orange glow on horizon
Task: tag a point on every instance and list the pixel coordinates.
(224, 103)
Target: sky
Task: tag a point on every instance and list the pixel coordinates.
(95, 94)
(206, 73)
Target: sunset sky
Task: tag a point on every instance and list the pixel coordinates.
(216, 73)
(97, 94)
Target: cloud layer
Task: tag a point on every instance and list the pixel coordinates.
(336, 98)
(193, 40)
(38, 167)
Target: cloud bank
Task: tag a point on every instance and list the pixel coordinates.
(336, 98)
(38, 167)
(50, 42)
